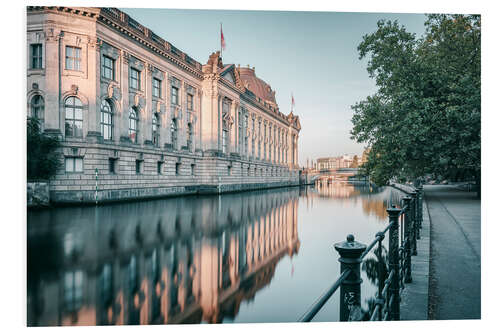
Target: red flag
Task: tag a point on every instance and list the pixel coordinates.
(293, 102)
(222, 41)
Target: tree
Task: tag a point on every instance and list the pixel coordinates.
(425, 116)
(43, 158)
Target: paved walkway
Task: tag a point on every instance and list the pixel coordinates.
(455, 253)
(415, 296)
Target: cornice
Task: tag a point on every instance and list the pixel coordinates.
(145, 38)
(82, 11)
(262, 108)
(121, 22)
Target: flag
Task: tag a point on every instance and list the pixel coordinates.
(293, 102)
(222, 41)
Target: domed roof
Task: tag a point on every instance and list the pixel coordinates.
(257, 86)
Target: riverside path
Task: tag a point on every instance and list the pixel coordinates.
(455, 253)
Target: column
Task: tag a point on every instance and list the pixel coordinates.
(94, 75)
(233, 127)
(198, 134)
(147, 126)
(164, 127)
(122, 129)
(54, 113)
(182, 120)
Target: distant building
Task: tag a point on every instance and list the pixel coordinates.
(329, 163)
(150, 119)
(364, 157)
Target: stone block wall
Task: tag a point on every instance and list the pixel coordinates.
(180, 174)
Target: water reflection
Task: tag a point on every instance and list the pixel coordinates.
(197, 259)
(171, 261)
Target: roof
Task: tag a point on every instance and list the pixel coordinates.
(256, 85)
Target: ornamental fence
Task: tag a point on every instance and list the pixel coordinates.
(392, 275)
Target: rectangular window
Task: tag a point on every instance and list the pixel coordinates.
(36, 56)
(192, 169)
(135, 79)
(190, 102)
(177, 169)
(156, 88)
(74, 164)
(112, 166)
(175, 95)
(108, 67)
(229, 170)
(138, 166)
(73, 58)
(159, 167)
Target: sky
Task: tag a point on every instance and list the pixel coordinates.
(310, 54)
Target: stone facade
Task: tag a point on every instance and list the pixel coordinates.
(146, 118)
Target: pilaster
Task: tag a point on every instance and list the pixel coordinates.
(122, 130)
(147, 126)
(233, 128)
(53, 63)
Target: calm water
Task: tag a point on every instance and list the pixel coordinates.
(262, 256)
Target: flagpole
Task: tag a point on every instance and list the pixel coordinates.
(220, 39)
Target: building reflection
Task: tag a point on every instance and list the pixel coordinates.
(187, 260)
(374, 200)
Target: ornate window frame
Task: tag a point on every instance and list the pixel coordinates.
(133, 124)
(107, 119)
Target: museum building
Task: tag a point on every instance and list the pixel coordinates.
(139, 118)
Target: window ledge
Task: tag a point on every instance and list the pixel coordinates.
(36, 71)
(106, 80)
(73, 72)
(73, 139)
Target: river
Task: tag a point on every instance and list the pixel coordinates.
(259, 256)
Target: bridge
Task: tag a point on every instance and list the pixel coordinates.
(329, 175)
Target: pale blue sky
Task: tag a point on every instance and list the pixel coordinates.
(313, 54)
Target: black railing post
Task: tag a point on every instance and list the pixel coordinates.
(394, 262)
(381, 273)
(350, 290)
(417, 211)
(414, 223)
(407, 240)
(421, 206)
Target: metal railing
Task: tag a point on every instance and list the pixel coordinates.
(404, 230)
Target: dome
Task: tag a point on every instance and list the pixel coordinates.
(260, 88)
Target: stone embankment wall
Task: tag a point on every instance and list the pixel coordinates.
(159, 174)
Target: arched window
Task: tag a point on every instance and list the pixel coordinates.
(74, 117)
(190, 136)
(106, 120)
(37, 108)
(173, 133)
(156, 130)
(133, 122)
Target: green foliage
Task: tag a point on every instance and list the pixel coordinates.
(426, 114)
(42, 152)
